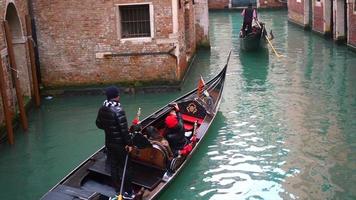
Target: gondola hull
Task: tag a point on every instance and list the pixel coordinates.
(255, 40)
(253, 43)
(92, 179)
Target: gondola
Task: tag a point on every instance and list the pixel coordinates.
(153, 170)
(255, 39)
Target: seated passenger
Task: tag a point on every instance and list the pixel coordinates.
(153, 135)
(138, 139)
(175, 130)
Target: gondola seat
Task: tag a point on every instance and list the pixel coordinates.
(155, 156)
(189, 121)
(145, 176)
(64, 192)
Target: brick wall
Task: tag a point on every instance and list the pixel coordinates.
(218, 4)
(296, 11)
(71, 33)
(318, 18)
(352, 26)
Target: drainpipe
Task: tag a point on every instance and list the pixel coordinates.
(34, 36)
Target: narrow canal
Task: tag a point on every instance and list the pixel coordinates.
(285, 128)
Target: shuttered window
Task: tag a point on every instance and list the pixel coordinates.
(135, 21)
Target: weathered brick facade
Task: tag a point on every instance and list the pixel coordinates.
(352, 24)
(73, 37)
(318, 18)
(202, 22)
(218, 4)
(328, 17)
(296, 12)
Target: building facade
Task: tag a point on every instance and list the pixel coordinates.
(336, 18)
(116, 41)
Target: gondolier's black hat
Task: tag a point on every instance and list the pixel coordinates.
(112, 92)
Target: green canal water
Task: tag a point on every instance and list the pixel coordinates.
(285, 128)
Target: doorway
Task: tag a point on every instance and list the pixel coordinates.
(243, 3)
(19, 45)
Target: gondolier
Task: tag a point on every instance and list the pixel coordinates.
(249, 14)
(112, 119)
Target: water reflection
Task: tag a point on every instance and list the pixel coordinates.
(255, 68)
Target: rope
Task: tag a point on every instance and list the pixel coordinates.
(15, 70)
(32, 40)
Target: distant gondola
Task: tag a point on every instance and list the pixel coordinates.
(254, 39)
(92, 179)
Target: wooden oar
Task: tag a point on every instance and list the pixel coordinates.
(123, 177)
(269, 42)
(138, 114)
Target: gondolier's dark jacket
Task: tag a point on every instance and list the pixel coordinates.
(248, 15)
(175, 135)
(112, 119)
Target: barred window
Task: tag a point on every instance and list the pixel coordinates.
(135, 21)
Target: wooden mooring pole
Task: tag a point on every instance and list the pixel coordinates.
(14, 72)
(6, 107)
(30, 43)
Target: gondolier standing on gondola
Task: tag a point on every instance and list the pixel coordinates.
(112, 119)
(249, 15)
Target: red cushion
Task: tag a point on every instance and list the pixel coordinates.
(188, 127)
(191, 119)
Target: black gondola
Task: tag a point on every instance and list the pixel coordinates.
(91, 179)
(253, 39)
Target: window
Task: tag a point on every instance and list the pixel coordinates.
(135, 21)
(299, 1)
(354, 5)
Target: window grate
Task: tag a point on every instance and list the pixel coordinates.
(135, 21)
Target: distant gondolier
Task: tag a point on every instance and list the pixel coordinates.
(112, 119)
(249, 14)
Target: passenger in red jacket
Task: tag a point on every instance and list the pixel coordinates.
(175, 130)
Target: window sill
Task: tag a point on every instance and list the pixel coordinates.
(136, 40)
